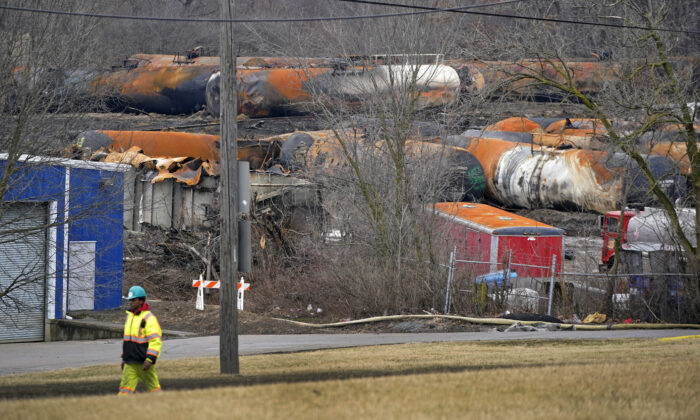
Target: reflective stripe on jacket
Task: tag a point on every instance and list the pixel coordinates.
(142, 338)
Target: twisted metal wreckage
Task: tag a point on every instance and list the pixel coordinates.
(186, 156)
(192, 162)
(517, 162)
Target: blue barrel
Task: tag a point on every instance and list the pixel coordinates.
(495, 277)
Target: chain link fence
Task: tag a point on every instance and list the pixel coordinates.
(642, 295)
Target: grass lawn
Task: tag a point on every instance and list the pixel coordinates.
(509, 380)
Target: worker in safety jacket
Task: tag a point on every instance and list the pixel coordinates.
(142, 343)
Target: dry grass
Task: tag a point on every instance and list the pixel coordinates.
(591, 379)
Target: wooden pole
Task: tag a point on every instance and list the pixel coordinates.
(228, 314)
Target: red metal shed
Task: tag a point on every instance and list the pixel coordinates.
(486, 234)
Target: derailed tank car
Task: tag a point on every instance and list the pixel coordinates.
(529, 176)
(292, 91)
(176, 89)
(170, 144)
(460, 175)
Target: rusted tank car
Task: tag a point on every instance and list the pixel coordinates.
(176, 89)
(529, 176)
(266, 92)
(170, 144)
(461, 174)
(154, 86)
(590, 76)
(676, 151)
(434, 85)
(475, 75)
(581, 133)
(153, 143)
(585, 133)
(285, 91)
(497, 77)
(669, 141)
(556, 141)
(564, 126)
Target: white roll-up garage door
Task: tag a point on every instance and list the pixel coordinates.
(22, 272)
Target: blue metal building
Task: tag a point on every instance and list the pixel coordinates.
(61, 241)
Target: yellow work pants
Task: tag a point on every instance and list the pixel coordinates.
(130, 378)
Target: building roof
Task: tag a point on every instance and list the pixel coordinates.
(485, 218)
(70, 163)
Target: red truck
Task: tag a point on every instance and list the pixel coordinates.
(643, 231)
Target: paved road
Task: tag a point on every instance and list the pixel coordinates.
(30, 357)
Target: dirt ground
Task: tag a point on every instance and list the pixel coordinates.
(182, 316)
(573, 223)
(156, 259)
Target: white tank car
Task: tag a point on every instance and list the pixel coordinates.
(651, 230)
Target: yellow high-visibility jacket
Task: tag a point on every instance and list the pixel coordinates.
(142, 337)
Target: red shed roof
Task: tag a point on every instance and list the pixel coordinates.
(493, 220)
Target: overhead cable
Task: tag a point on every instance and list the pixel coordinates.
(263, 20)
(421, 10)
(511, 16)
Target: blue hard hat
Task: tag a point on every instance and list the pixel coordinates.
(136, 292)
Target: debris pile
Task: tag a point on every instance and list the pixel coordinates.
(517, 162)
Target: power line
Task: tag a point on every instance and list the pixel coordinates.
(469, 12)
(266, 20)
(422, 10)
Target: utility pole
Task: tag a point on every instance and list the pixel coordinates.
(228, 313)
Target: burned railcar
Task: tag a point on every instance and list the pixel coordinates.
(455, 174)
(531, 176)
(292, 91)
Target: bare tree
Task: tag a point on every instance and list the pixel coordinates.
(645, 87)
(43, 87)
(378, 179)
(644, 82)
